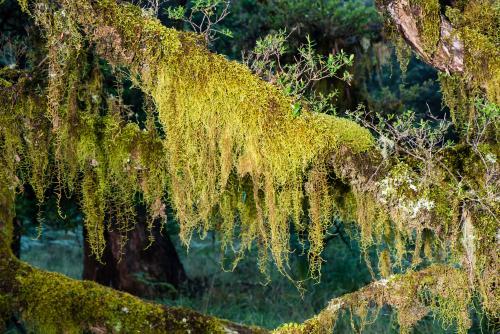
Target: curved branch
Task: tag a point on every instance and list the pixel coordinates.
(446, 55)
(436, 284)
(51, 303)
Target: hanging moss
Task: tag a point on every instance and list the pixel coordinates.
(441, 290)
(430, 25)
(234, 158)
(226, 131)
(478, 23)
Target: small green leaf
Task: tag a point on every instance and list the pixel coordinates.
(176, 13)
(296, 109)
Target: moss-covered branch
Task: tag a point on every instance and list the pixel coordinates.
(234, 150)
(52, 303)
(459, 38)
(439, 289)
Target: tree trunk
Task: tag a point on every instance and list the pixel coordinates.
(16, 238)
(138, 268)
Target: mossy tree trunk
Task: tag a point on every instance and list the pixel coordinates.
(142, 267)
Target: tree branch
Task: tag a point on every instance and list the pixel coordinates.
(446, 55)
(438, 283)
(49, 302)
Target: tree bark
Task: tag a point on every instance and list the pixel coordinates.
(138, 268)
(16, 238)
(447, 55)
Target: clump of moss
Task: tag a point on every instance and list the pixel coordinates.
(234, 151)
(429, 24)
(471, 29)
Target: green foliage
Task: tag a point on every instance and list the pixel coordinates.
(299, 78)
(176, 13)
(331, 22)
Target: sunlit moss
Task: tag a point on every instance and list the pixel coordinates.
(226, 132)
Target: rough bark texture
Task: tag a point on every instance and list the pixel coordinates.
(447, 55)
(139, 268)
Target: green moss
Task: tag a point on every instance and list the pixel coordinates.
(429, 23)
(222, 123)
(55, 304)
(477, 24)
(384, 264)
(24, 5)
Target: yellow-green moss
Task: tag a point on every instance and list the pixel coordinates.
(474, 34)
(226, 130)
(429, 23)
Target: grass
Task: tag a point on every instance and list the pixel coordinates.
(55, 250)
